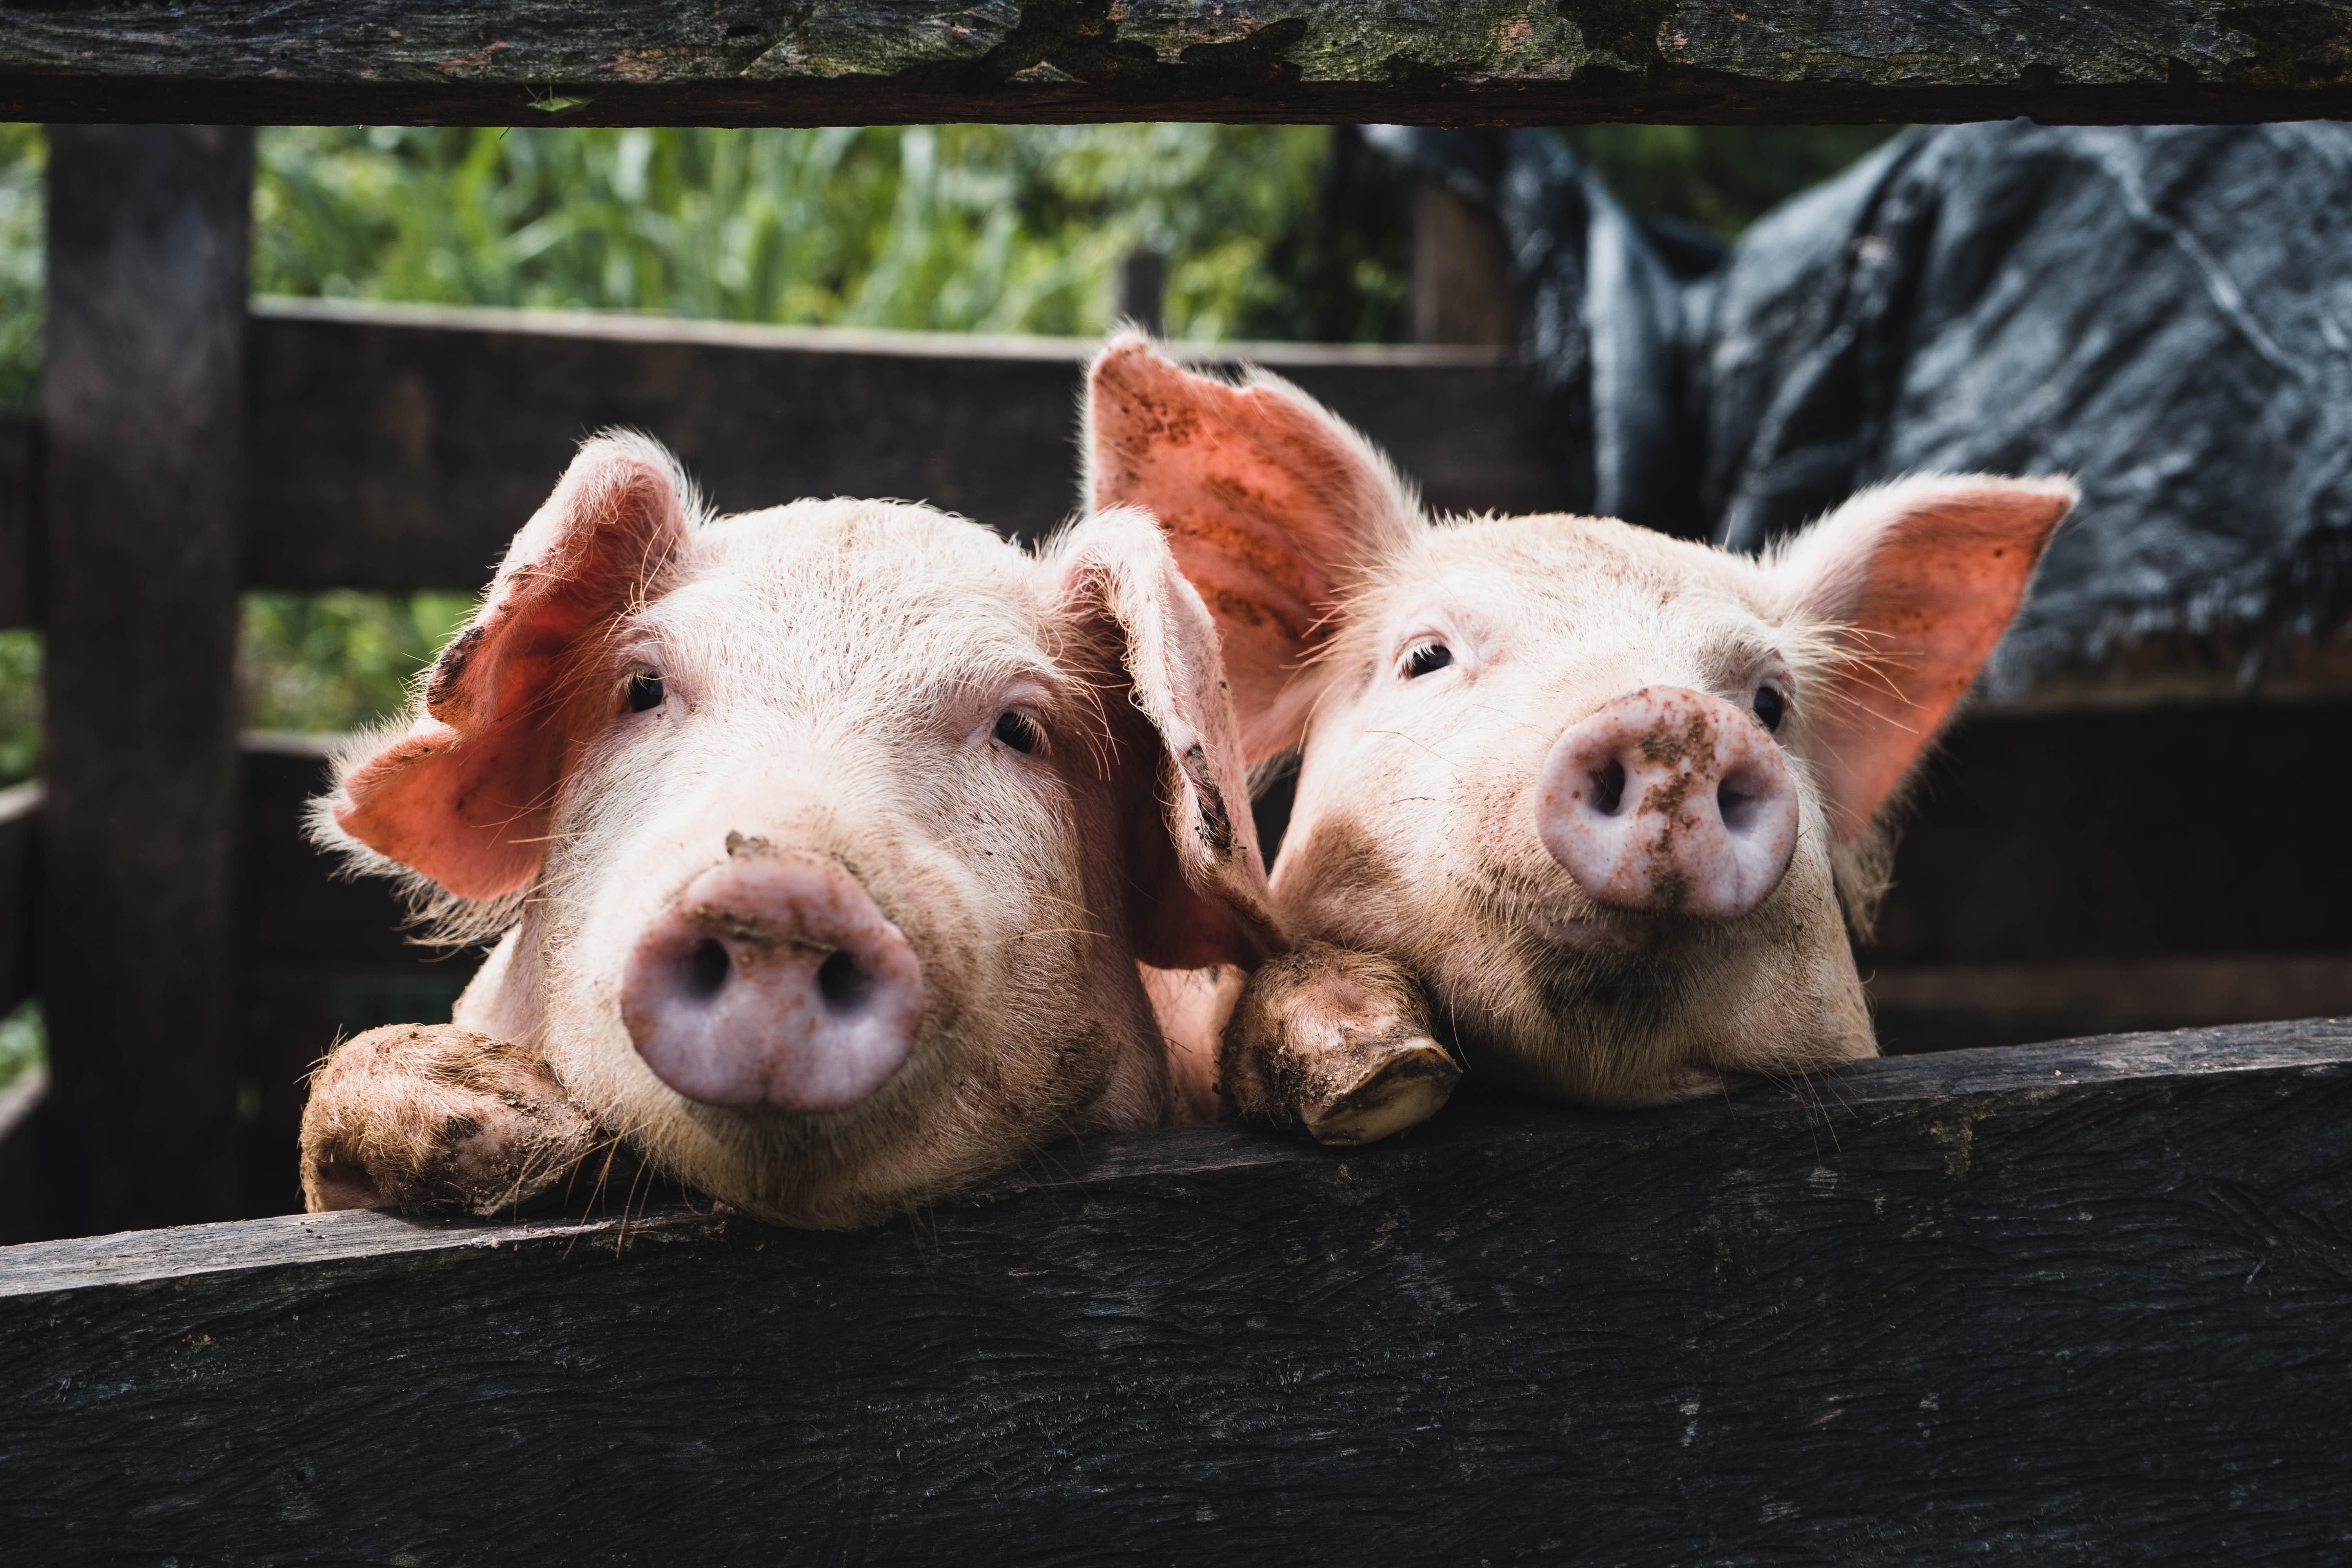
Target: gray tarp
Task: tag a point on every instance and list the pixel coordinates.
(2164, 313)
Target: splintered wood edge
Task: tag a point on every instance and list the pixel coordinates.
(2061, 1067)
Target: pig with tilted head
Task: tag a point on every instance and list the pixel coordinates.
(1594, 804)
(828, 852)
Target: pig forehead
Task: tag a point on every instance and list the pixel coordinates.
(1551, 568)
(889, 585)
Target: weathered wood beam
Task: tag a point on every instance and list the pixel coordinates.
(2084, 1299)
(143, 388)
(401, 447)
(738, 62)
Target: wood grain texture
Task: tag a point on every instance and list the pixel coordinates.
(144, 469)
(890, 61)
(2085, 1301)
(399, 447)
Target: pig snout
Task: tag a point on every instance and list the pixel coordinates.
(774, 981)
(1670, 801)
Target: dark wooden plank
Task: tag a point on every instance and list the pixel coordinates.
(147, 239)
(2128, 832)
(401, 447)
(321, 957)
(20, 491)
(20, 825)
(1462, 286)
(2081, 1300)
(1950, 1006)
(732, 62)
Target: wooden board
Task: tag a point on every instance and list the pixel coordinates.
(735, 62)
(144, 467)
(2085, 1301)
(402, 447)
(2046, 835)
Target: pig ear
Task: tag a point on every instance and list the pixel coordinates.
(1271, 503)
(1200, 895)
(462, 791)
(1919, 578)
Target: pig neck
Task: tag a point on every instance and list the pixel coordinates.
(503, 999)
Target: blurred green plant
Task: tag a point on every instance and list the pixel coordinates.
(323, 663)
(24, 1041)
(948, 228)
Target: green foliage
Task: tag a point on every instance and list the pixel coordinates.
(327, 662)
(24, 1042)
(949, 228)
(24, 154)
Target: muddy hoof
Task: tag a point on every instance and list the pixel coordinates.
(1407, 1089)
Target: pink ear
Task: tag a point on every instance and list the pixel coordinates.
(463, 792)
(1270, 502)
(1920, 578)
(1199, 893)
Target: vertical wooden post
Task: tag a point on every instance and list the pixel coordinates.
(1461, 272)
(1143, 288)
(144, 388)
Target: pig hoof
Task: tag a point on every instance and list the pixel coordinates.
(437, 1119)
(1406, 1088)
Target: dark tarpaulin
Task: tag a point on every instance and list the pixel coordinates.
(2164, 313)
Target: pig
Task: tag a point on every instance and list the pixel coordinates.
(1604, 801)
(828, 851)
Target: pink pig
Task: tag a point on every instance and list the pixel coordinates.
(822, 845)
(1600, 802)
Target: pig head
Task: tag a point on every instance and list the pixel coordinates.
(1610, 796)
(821, 845)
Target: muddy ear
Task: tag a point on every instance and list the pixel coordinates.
(461, 791)
(1271, 503)
(1917, 579)
(1199, 892)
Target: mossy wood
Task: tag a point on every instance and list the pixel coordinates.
(2088, 1297)
(787, 62)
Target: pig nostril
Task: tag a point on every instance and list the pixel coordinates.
(841, 982)
(1737, 806)
(1609, 788)
(706, 968)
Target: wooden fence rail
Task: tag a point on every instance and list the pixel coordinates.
(749, 62)
(399, 447)
(2086, 1299)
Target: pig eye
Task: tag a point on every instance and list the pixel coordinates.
(1769, 707)
(1020, 731)
(644, 691)
(1428, 656)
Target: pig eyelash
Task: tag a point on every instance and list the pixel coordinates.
(1017, 731)
(1424, 657)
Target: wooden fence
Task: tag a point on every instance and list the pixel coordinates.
(2083, 1301)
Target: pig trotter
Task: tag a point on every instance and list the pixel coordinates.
(1334, 1043)
(431, 1118)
